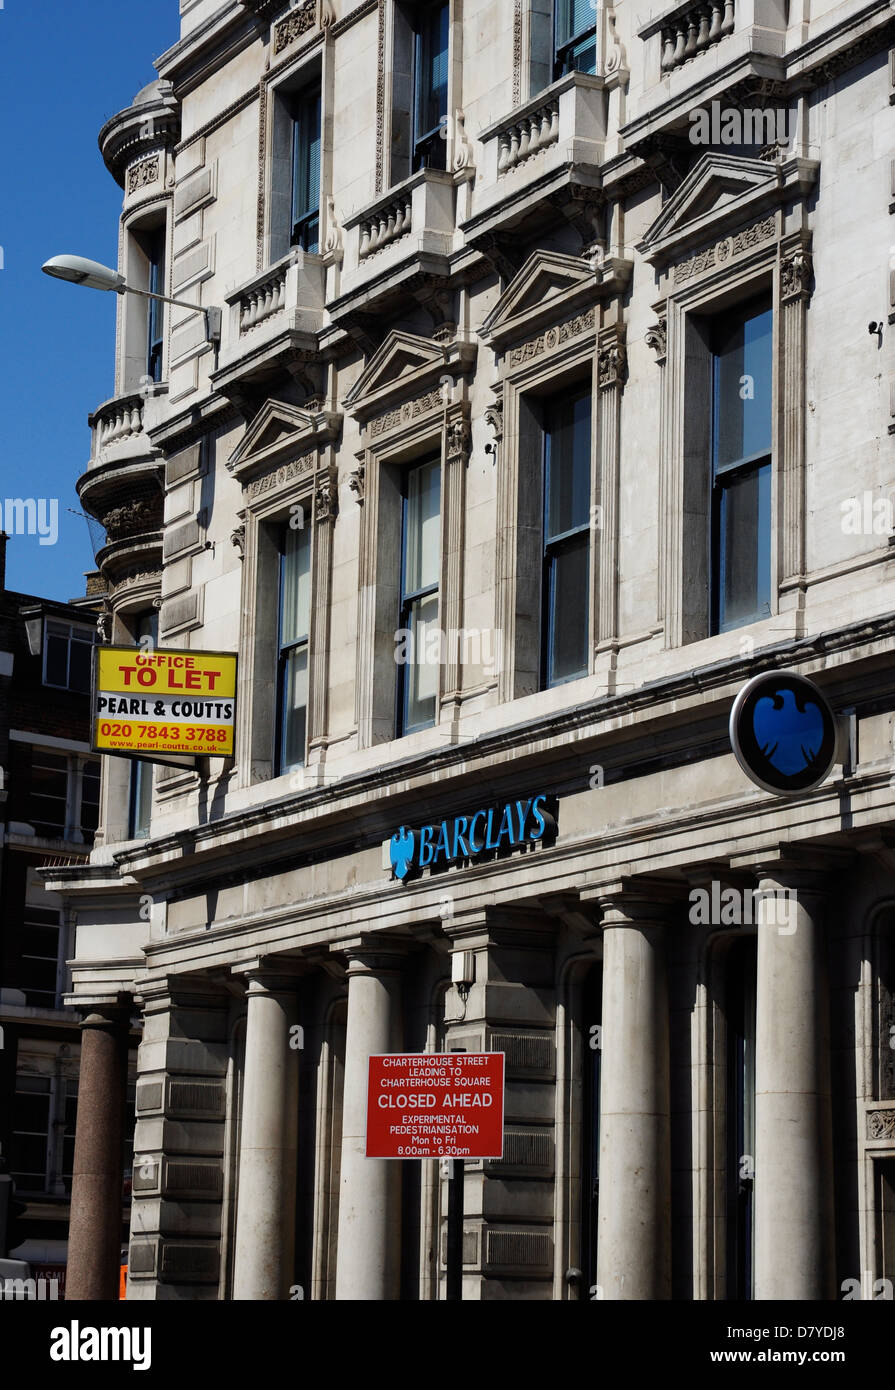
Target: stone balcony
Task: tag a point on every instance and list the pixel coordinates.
(694, 53)
(408, 232)
(122, 487)
(526, 160)
(268, 318)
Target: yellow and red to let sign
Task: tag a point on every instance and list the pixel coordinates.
(164, 702)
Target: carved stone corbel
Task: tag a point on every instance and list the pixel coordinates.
(656, 338)
(494, 418)
(612, 357)
(326, 498)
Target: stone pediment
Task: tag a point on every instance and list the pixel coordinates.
(721, 191)
(279, 431)
(404, 364)
(549, 287)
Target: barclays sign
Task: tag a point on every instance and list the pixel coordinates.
(461, 838)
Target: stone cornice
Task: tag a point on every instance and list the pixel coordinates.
(328, 814)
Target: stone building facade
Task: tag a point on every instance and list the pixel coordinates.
(544, 414)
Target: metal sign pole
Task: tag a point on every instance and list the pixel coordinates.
(454, 1279)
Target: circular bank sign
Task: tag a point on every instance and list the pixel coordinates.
(783, 733)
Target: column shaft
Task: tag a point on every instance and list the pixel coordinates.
(94, 1236)
(794, 1240)
(264, 1253)
(368, 1261)
(634, 1237)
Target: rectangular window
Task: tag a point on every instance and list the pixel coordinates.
(430, 87)
(294, 625)
(741, 467)
(418, 615)
(67, 648)
(70, 1118)
(566, 537)
(31, 1126)
(306, 171)
(155, 251)
(574, 36)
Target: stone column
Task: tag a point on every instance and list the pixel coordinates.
(264, 1247)
(369, 1249)
(794, 1232)
(94, 1234)
(634, 1231)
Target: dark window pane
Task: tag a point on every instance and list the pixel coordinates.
(421, 674)
(745, 547)
(294, 707)
(568, 586)
(79, 667)
(575, 35)
(568, 465)
(57, 661)
(306, 173)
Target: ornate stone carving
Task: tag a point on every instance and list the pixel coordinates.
(517, 52)
(494, 418)
(238, 538)
(657, 338)
(723, 250)
(402, 414)
(103, 621)
(795, 274)
(296, 23)
(611, 362)
(262, 134)
(333, 242)
(552, 337)
(276, 477)
(356, 483)
(459, 438)
(139, 175)
(462, 147)
(881, 1124)
(133, 519)
(380, 95)
(326, 498)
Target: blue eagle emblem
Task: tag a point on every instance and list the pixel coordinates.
(789, 730)
(401, 850)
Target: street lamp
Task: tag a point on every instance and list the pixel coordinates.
(79, 271)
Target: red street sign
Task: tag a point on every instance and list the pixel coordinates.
(441, 1105)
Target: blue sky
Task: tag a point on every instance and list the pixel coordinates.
(65, 68)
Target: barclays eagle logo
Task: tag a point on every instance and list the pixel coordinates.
(401, 850)
(789, 731)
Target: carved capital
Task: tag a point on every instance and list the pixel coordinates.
(795, 275)
(238, 538)
(458, 441)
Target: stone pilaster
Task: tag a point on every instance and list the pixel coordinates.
(177, 1227)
